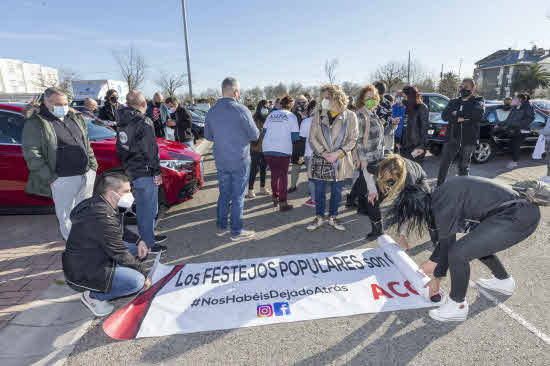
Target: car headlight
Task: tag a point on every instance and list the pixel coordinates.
(187, 166)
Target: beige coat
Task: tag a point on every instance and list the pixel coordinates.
(320, 146)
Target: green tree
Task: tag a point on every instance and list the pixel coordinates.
(532, 78)
(448, 85)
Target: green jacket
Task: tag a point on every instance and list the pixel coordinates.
(40, 150)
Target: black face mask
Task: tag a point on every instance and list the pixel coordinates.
(113, 99)
(301, 107)
(465, 93)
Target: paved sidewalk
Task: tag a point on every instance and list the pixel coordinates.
(30, 261)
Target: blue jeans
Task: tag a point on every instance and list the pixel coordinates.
(147, 197)
(321, 197)
(232, 186)
(126, 281)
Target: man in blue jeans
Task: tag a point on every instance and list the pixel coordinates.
(96, 259)
(138, 153)
(230, 126)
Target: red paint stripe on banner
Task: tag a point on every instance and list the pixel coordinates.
(124, 323)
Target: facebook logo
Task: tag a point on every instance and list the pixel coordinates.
(281, 308)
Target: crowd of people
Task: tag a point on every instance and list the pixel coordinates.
(376, 143)
(380, 147)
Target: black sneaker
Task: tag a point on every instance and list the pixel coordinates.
(157, 248)
(160, 238)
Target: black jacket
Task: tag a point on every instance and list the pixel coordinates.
(467, 132)
(136, 145)
(95, 246)
(109, 112)
(520, 118)
(415, 128)
(184, 124)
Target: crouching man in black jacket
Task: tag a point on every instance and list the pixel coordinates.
(96, 259)
(463, 115)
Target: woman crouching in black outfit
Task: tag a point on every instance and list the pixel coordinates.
(504, 216)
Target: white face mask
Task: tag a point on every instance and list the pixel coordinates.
(264, 112)
(325, 104)
(126, 200)
(60, 111)
(172, 110)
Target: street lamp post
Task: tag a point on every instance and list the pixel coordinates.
(184, 10)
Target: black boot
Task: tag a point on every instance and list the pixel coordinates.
(376, 231)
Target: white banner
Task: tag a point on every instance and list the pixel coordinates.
(244, 293)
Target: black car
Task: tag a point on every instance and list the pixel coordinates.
(198, 119)
(493, 137)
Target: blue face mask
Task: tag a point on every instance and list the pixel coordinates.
(60, 111)
(264, 111)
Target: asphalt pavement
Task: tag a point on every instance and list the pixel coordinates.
(500, 330)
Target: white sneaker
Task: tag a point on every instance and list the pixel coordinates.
(512, 165)
(505, 287)
(264, 191)
(251, 194)
(221, 232)
(450, 312)
(316, 224)
(335, 223)
(245, 234)
(97, 307)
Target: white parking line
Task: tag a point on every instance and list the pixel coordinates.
(545, 338)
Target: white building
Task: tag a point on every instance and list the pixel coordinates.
(18, 77)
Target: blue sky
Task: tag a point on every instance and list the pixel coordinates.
(264, 42)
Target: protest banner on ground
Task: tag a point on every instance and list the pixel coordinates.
(243, 293)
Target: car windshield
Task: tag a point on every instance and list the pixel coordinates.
(543, 104)
(98, 133)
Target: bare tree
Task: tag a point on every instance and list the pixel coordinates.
(330, 70)
(132, 66)
(280, 90)
(171, 82)
(295, 89)
(350, 88)
(65, 81)
(392, 74)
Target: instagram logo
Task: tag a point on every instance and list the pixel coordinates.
(264, 311)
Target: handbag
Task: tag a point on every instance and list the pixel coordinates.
(321, 169)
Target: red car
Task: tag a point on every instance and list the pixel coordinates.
(182, 168)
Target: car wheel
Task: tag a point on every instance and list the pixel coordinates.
(484, 151)
(436, 149)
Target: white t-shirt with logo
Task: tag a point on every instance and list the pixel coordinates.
(304, 132)
(279, 127)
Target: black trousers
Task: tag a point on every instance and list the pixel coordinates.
(499, 231)
(450, 151)
(515, 144)
(257, 163)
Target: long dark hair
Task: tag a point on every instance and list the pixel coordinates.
(258, 113)
(109, 94)
(413, 207)
(311, 108)
(414, 99)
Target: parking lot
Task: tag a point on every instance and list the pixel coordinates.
(499, 330)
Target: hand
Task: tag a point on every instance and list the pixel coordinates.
(170, 123)
(460, 119)
(373, 197)
(433, 285)
(396, 121)
(417, 152)
(142, 249)
(428, 267)
(403, 242)
(331, 157)
(364, 165)
(147, 283)
(158, 180)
